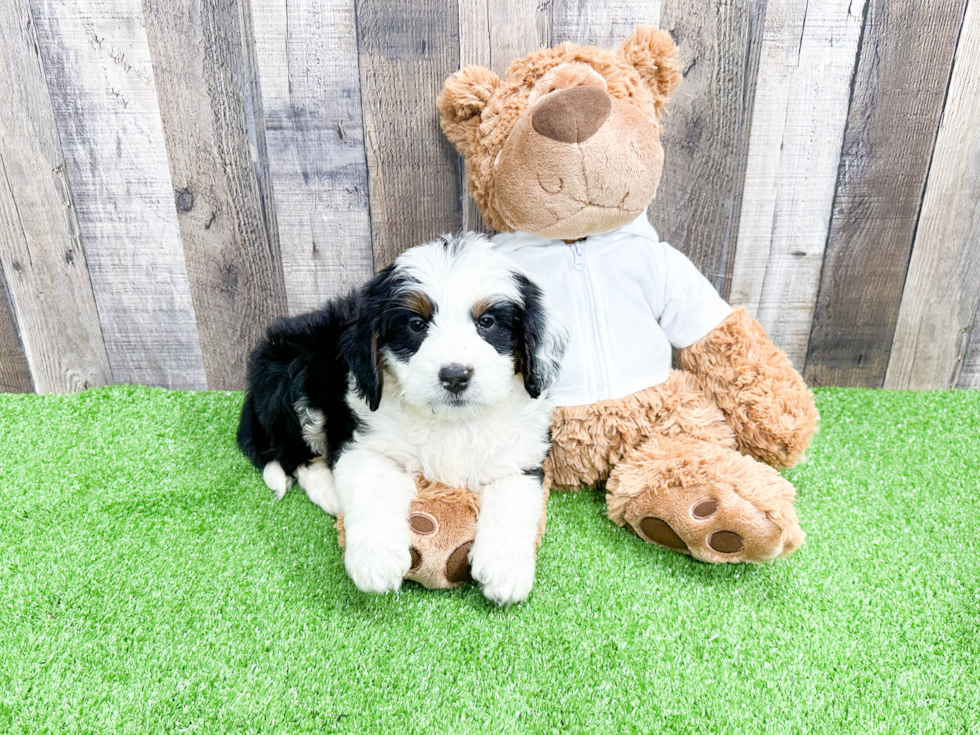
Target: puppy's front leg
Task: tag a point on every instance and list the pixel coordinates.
(503, 553)
(374, 496)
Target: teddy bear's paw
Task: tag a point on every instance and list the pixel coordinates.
(442, 533)
(712, 523)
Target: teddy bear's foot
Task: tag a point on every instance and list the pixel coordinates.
(443, 525)
(707, 501)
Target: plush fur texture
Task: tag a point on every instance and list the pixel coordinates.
(765, 400)
(437, 368)
(565, 146)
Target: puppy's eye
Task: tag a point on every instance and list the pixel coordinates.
(416, 324)
(486, 321)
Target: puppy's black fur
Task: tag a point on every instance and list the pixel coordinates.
(298, 361)
(307, 359)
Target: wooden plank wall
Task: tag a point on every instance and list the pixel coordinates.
(177, 173)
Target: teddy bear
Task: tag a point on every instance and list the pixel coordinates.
(563, 156)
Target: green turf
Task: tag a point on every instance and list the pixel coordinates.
(150, 584)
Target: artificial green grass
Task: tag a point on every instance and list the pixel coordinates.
(150, 584)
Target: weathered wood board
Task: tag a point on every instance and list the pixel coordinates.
(234, 267)
(306, 53)
(808, 57)
(602, 23)
(406, 51)
(888, 144)
(942, 289)
(42, 256)
(100, 77)
(176, 173)
(706, 131)
(15, 377)
(492, 34)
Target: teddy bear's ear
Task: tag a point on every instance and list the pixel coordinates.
(463, 98)
(653, 54)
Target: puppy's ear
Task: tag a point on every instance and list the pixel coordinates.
(542, 340)
(653, 54)
(463, 98)
(360, 344)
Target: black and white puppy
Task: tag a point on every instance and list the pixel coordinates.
(439, 366)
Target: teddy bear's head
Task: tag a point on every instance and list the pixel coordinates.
(567, 144)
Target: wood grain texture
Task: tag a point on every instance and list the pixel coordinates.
(234, 269)
(101, 83)
(15, 377)
(43, 260)
(706, 130)
(942, 289)
(406, 51)
(492, 34)
(602, 23)
(808, 57)
(888, 144)
(969, 376)
(306, 55)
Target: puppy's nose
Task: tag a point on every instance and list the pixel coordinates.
(572, 115)
(455, 377)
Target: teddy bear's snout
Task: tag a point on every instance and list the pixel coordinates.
(572, 115)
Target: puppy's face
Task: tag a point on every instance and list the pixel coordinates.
(454, 328)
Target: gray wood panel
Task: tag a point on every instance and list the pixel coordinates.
(14, 374)
(942, 289)
(706, 137)
(101, 83)
(809, 51)
(492, 34)
(306, 56)
(44, 263)
(406, 51)
(888, 144)
(969, 376)
(602, 23)
(234, 268)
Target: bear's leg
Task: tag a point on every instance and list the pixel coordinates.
(704, 500)
(588, 441)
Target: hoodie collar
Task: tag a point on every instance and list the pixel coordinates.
(510, 241)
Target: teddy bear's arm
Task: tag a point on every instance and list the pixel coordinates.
(764, 399)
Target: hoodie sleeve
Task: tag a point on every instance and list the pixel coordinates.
(691, 307)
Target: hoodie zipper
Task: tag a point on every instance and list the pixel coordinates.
(598, 355)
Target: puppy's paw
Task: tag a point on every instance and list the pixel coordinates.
(276, 479)
(317, 480)
(507, 575)
(376, 564)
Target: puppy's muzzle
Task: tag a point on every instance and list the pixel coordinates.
(455, 377)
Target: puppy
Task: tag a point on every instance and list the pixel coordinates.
(438, 367)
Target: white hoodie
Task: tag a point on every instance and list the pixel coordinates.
(625, 298)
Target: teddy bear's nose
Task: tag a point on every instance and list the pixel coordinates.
(571, 115)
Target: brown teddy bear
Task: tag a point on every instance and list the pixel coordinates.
(563, 156)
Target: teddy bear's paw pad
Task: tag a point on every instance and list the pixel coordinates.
(658, 531)
(423, 524)
(458, 565)
(718, 527)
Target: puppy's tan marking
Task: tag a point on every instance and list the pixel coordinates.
(419, 303)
